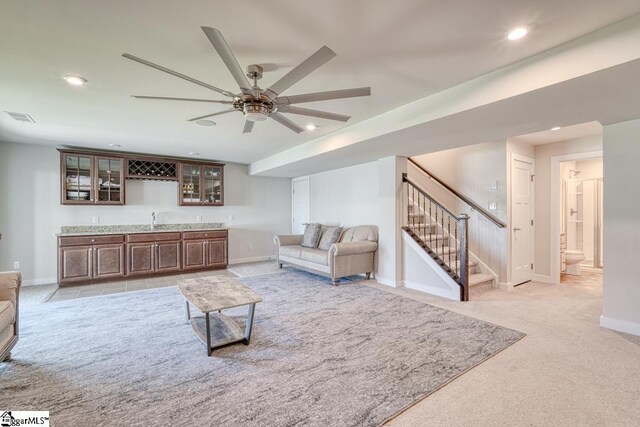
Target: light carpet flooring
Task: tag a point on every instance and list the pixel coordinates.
(319, 356)
(568, 371)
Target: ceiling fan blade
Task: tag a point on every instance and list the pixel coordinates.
(315, 113)
(175, 73)
(214, 114)
(229, 59)
(324, 96)
(286, 122)
(248, 126)
(310, 64)
(167, 98)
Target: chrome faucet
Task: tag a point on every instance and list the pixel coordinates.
(153, 220)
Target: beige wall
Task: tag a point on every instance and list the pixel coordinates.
(31, 213)
(542, 218)
(621, 288)
(471, 170)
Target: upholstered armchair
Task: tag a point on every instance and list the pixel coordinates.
(9, 291)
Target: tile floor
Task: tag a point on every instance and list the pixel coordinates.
(91, 290)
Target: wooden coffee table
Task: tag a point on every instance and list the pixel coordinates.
(210, 295)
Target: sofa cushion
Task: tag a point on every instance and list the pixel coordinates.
(317, 256)
(330, 235)
(7, 314)
(311, 235)
(291, 251)
(360, 233)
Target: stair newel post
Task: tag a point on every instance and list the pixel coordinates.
(464, 256)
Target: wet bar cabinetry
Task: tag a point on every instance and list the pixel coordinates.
(91, 179)
(110, 257)
(99, 178)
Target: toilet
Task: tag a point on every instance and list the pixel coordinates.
(573, 260)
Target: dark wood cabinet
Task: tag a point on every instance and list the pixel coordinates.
(141, 258)
(74, 264)
(168, 256)
(108, 261)
(217, 253)
(153, 252)
(86, 259)
(88, 179)
(194, 254)
(201, 184)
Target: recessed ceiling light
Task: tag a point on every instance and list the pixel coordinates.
(193, 153)
(517, 33)
(206, 123)
(311, 126)
(115, 145)
(75, 80)
(555, 128)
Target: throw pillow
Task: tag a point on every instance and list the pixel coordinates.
(311, 236)
(329, 237)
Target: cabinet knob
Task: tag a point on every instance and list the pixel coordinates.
(206, 235)
(93, 240)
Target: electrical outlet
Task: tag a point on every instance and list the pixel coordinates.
(493, 206)
(96, 219)
(199, 218)
(250, 246)
(230, 217)
(494, 185)
(16, 265)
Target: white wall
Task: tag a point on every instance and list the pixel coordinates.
(368, 193)
(31, 213)
(542, 218)
(345, 197)
(621, 288)
(471, 170)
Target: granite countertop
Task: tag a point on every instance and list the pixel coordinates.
(93, 230)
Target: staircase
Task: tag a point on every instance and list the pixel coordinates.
(443, 236)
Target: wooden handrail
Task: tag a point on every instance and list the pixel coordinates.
(460, 196)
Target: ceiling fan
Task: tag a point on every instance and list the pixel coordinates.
(256, 104)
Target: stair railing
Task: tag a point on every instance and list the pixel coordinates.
(442, 234)
(474, 206)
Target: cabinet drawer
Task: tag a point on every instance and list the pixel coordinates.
(91, 240)
(152, 237)
(204, 234)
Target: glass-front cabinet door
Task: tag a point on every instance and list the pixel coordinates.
(212, 185)
(109, 180)
(77, 182)
(190, 184)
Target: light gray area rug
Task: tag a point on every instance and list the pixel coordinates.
(320, 355)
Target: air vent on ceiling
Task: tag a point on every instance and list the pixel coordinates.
(21, 117)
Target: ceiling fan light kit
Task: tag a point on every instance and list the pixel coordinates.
(256, 104)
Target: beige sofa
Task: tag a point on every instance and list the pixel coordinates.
(353, 254)
(9, 290)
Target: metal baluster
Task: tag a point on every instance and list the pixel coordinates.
(449, 238)
(424, 218)
(464, 262)
(430, 219)
(442, 228)
(455, 231)
(408, 211)
(436, 229)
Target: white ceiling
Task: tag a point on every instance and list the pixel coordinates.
(404, 50)
(563, 134)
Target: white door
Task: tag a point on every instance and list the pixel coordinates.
(299, 204)
(521, 220)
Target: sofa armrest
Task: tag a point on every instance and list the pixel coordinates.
(9, 285)
(288, 239)
(352, 248)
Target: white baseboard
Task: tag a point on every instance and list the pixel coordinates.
(440, 292)
(508, 286)
(620, 325)
(387, 282)
(252, 259)
(42, 281)
(542, 278)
